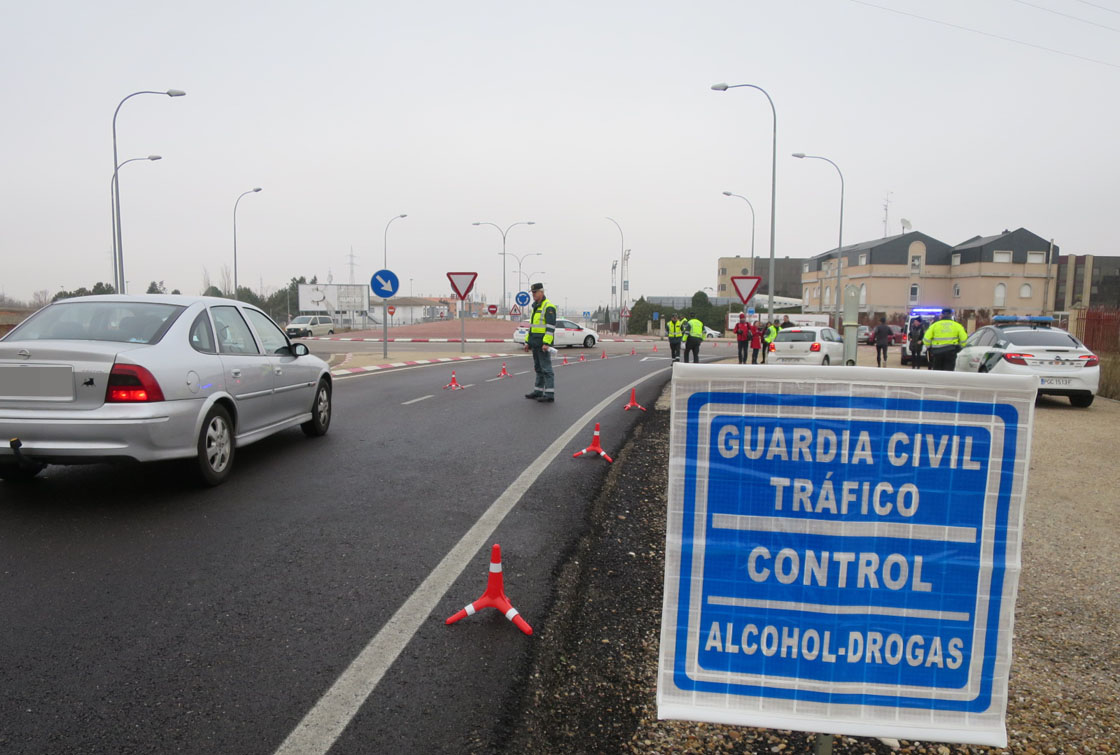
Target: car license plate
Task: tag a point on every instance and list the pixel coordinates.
(1055, 381)
(788, 359)
(37, 381)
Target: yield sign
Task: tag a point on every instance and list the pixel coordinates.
(746, 285)
(515, 311)
(462, 283)
(624, 313)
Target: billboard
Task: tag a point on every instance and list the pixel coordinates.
(333, 297)
(843, 549)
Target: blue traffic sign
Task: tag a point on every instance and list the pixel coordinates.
(656, 315)
(845, 546)
(750, 310)
(586, 313)
(384, 283)
(522, 298)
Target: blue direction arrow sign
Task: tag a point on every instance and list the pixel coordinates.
(522, 298)
(384, 283)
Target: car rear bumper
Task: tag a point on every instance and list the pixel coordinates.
(112, 432)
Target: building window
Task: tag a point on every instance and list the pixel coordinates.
(805, 267)
(827, 296)
(862, 295)
(723, 271)
(1001, 256)
(916, 263)
(1035, 258)
(863, 259)
(956, 259)
(956, 290)
(1025, 291)
(915, 291)
(1000, 297)
(723, 287)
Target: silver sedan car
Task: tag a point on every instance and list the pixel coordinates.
(146, 378)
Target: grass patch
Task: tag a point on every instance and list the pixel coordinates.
(1110, 376)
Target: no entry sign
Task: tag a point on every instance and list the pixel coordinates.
(843, 554)
(391, 309)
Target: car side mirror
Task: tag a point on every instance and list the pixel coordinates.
(300, 350)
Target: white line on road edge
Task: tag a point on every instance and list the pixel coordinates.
(326, 721)
(413, 401)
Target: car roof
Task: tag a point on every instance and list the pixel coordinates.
(177, 299)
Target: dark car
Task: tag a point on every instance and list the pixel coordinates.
(898, 335)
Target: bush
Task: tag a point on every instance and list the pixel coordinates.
(1110, 376)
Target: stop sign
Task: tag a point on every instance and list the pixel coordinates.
(392, 310)
(492, 309)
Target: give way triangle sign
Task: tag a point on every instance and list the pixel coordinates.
(745, 286)
(515, 311)
(462, 283)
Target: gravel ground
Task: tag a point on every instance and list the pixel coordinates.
(593, 680)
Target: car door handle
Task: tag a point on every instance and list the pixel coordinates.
(278, 370)
(236, 372)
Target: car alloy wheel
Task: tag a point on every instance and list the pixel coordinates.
(215, 446)
(320, 412)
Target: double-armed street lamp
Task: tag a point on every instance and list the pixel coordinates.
(244, 193)
(773, 183)
(840, 240)
(118, 250)
(385, 301)
(504, 232)
(112, 194)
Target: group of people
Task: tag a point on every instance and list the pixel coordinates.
(687, 333)
(941, 340)
(756, 336)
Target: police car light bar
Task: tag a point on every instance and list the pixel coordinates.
(925, 311)
(1031, 319)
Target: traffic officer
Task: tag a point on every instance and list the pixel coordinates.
(943, 339)
(771, 334)
(694, 332)
(673, 327)
(542, 329)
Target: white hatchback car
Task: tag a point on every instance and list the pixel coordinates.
(146, 378)
(568, 333)
(805, 345)
(1029, 346)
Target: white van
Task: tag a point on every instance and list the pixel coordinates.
(310, 325)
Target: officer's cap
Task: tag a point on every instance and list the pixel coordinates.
(946, 311)
(537, 287)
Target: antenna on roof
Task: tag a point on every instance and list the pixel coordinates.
(886, 212)
(906, 225)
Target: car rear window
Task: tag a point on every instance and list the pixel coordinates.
(796, 335)
(1041, 337)
(121, 321)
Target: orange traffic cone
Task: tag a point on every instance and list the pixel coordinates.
(454, 384)
(565, 359)
(594, 447)
(503, 373)
(655, 347)
(604, 354)
(634, 401)
(581, 358)
(494, 597)
(632, 352)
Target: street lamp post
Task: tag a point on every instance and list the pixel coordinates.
(504, 232)
(773, 184)
(112, 194)
(520, 259)
(385, 301)
(118, 250)
(244, 193)
(622, 273)
(729, 194)
(840, 240)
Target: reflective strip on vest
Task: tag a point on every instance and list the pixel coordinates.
(674, 329)
(538, 325)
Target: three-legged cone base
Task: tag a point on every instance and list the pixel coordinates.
(494, 597)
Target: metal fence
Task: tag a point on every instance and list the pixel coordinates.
(1099, 329)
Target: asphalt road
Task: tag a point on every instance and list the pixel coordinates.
(139, 613)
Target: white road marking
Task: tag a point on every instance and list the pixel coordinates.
(523, 372)
(413, 401)
(330, 716)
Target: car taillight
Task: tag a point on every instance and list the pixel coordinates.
(1091, 360)
(130, 384)
(1019, 359)
(816, 346)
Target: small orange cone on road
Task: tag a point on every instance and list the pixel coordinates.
(454, 384)
(604, 354)
(565, 359)
(581, 358)
(634, 401)
(632, 352)
(494, 597)
(594, 447)
(503, 373)
(655, 347)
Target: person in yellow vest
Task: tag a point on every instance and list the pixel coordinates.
(694, 330)
(943, 339)
(542, 331)
(673, 329)
(771, 334)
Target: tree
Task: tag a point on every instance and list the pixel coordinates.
(156, 288)
(41, 298)
(641, 312)
(213, 291)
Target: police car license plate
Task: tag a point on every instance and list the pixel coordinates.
(1055, 381)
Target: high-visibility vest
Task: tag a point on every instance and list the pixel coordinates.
(771, 333)
(696, 328)
(674, 329)
(538, 325)
(944, 333)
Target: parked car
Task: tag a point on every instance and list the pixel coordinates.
(1031, 346)
(147, 378)
(709, 333)
(310, 325)
(802, 345)
(567, 333)
(861, 334)
(898, 335)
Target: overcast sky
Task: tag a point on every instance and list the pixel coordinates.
(348, 113)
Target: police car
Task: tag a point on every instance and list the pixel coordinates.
(1031, 346)
(567, 333)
